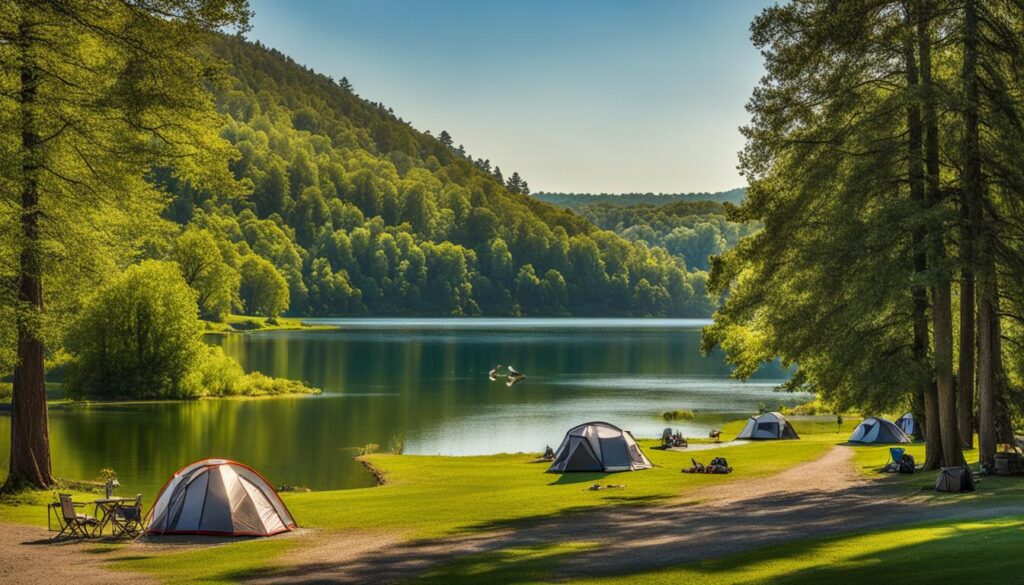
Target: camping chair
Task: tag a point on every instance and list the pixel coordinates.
(127, 518)
(896, 453)
(71, 522)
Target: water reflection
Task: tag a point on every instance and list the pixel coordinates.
(424, 381)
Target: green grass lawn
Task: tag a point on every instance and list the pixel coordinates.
(439, 496)
(435, 496)
(224, 563)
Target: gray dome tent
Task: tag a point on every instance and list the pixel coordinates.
(218, 497)
(598, 446)
(878, 430)
(770, 425)
(908, 424)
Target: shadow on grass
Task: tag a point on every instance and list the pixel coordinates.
(580, 477)
(981, 554)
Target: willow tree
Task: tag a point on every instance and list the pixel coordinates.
(95, 93)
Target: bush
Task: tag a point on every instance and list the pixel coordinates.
(815, 407)
(257, 384)
(140, 337)
(137, 337)
(678, 415)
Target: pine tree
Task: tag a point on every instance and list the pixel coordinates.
(101, 92)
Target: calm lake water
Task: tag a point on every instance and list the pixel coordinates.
(420, 382)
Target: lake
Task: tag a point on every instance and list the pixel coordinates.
(420, 383)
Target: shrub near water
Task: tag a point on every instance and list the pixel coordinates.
(139, 337)
(678, 415)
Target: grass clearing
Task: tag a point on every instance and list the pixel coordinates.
(29, 507)
(226, 563)
(440, 496)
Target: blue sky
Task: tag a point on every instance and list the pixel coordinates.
(585, 96)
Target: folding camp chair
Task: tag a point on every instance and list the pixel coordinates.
(896, 453)
(71, 522)
(127, 518)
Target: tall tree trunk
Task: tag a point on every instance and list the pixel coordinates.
(965, 369)
(30, 438)
(1003, 416)
(919, 294)
(942, 309)
(983, 262)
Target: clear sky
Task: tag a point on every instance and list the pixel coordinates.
(584, 96)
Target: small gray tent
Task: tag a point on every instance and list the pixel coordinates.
(770, 425)
(955, 480)
(219, 497)
(878, 430)
(598, 446)
(908, 425)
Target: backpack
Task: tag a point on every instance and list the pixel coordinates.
(906, 464)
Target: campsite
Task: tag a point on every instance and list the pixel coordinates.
(571, 291)
(434, 513)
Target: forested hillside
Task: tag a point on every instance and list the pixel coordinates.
(575, 200)
(691, 230)
(362, 214)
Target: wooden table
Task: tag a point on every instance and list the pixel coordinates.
(107, 506)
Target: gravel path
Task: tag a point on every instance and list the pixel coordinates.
(28, 556)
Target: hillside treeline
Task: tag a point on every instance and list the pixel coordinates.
(362, 214)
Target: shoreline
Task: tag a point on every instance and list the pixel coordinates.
(67, 403)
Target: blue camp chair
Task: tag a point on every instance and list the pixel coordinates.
(896, 453)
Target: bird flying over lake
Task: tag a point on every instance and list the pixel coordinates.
(493, 374)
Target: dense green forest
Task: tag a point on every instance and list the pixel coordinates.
(574, 200)
(884, 163)
(692, 230)
(361, 214)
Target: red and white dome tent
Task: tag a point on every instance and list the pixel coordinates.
(219, 497)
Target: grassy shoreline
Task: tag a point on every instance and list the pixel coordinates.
(247, 324)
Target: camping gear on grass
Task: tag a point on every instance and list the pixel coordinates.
(878, 430)
(598, 446)
(770, 425)
(906, 464)
(955, 480)
(1008, 463)
(909, 425)
(718, 465)
(126, 519)
(670, 439)
(219, 497)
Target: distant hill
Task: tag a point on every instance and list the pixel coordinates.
(575, 200)
(363, 214)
